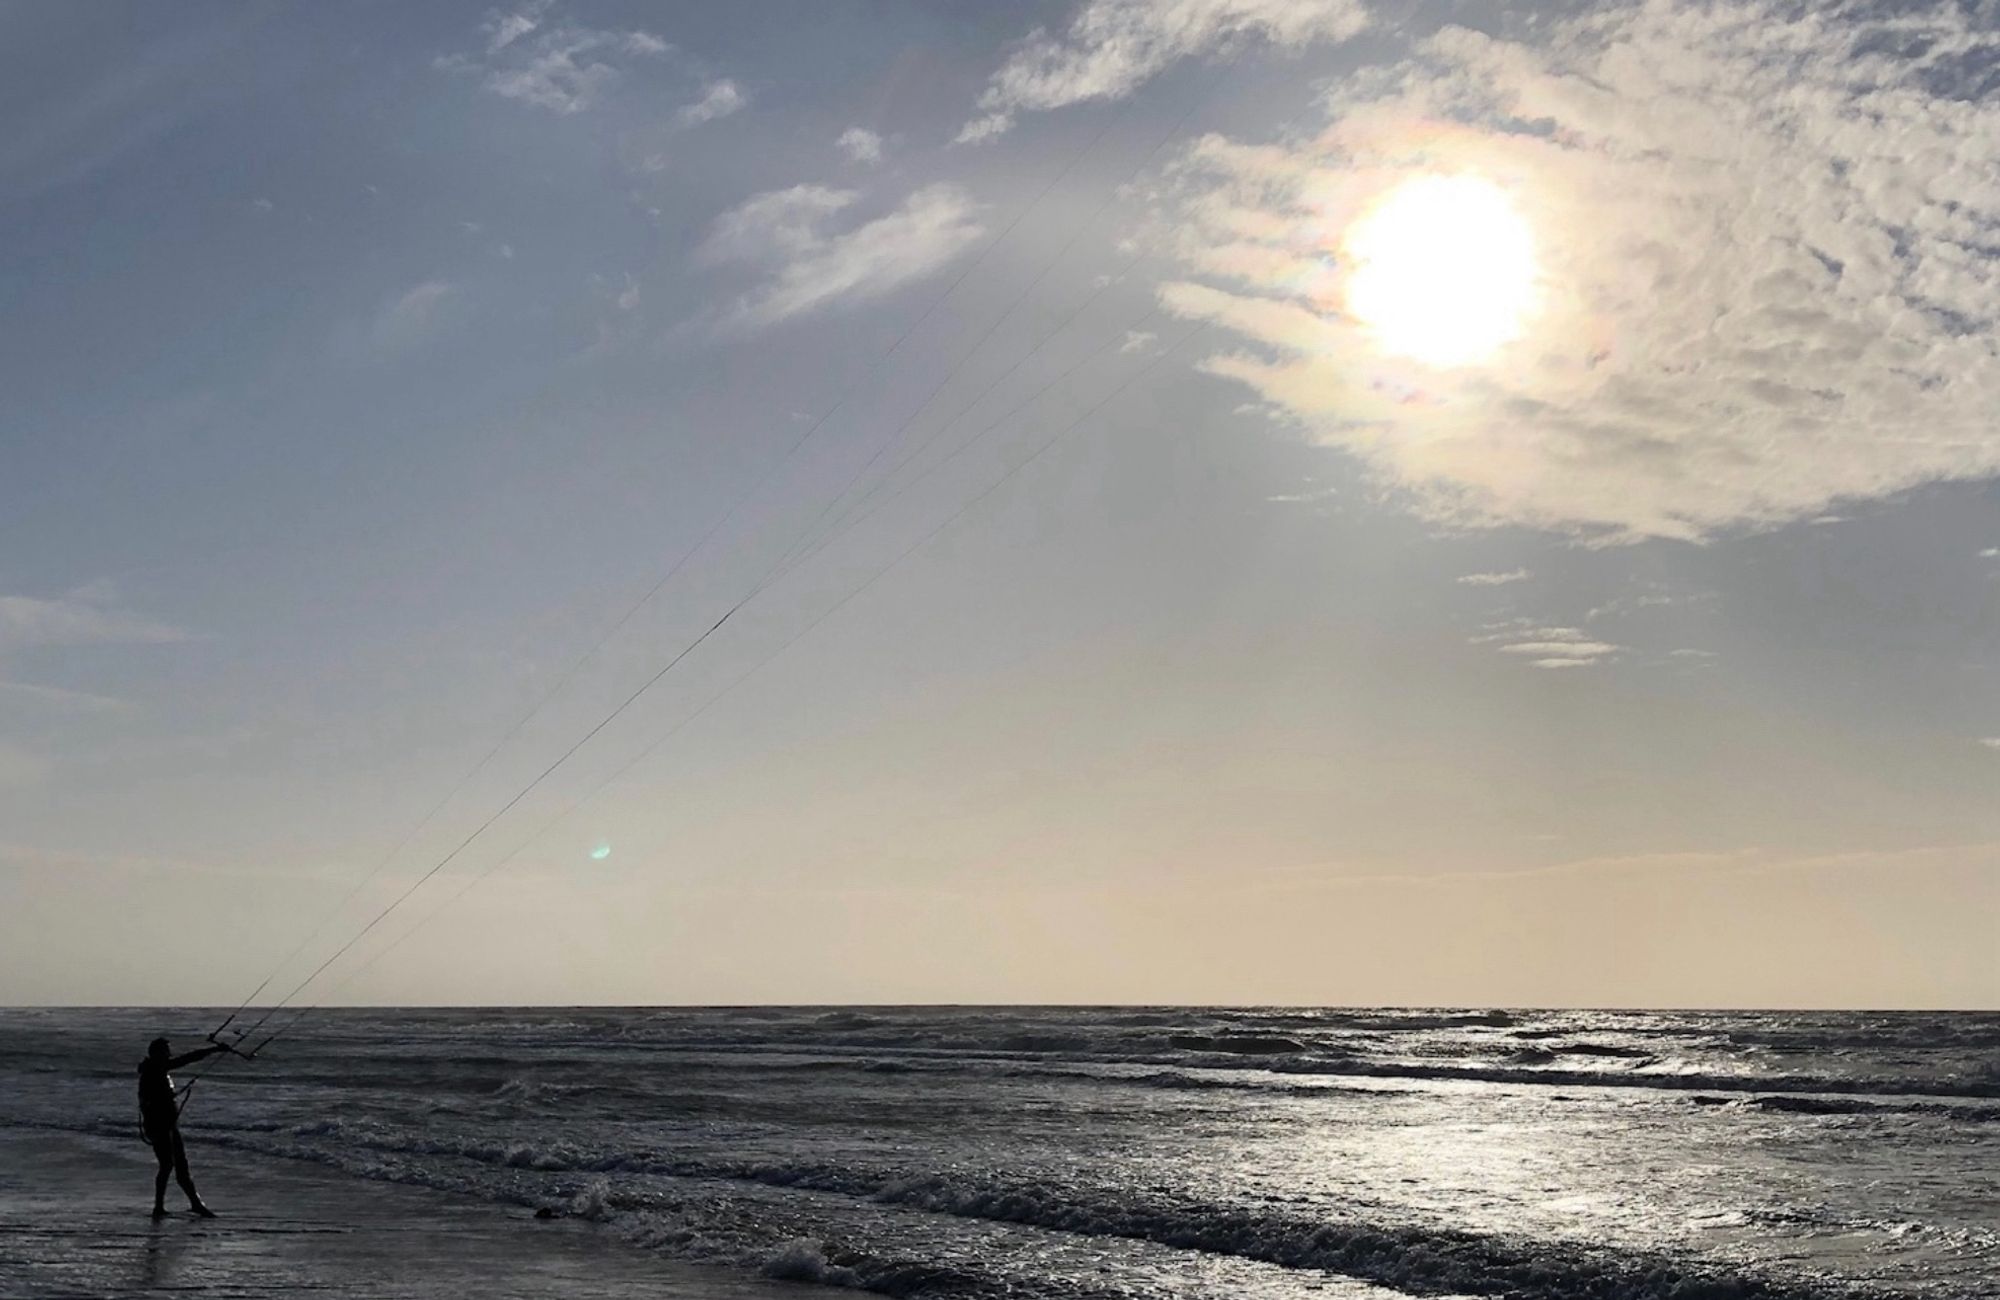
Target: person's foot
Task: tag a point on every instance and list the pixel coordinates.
(159, 1211)
(201, 1211)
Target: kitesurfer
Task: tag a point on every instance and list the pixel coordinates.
(160, 1119)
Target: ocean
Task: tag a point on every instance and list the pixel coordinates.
(1137, 1152)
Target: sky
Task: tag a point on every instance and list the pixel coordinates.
(1271, 501)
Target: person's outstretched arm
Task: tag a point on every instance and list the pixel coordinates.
(191, 1057)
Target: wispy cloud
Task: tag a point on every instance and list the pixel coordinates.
(408, 318)
(808, 267)
(1547, 646)
(1494, 579)
(1138, 340)
(564, 68)
(87, 616)
(719, 99)
(860, 145)
(1112, 47)
(1761, 267)
(59, 696)
(1991, 742)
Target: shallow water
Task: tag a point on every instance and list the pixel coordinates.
(1144, 1151)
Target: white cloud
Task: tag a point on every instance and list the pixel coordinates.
(1112, 47)
(90, 615)
(1138, 340)
(1990, 553)
(720, 99)
(807, 268)
(262, 205)
(1991, 742)
(407, 319)
(87, 616)
(860, 145)
(1548, 647)
(1765, 247)
(1494, 579)
(503, 30)
(564, 68)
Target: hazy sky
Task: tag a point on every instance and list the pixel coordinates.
(1504, 508)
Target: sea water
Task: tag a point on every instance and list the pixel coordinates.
(1127, 1152)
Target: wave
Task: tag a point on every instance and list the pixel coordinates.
(1419, 1259)
(1686, 1081)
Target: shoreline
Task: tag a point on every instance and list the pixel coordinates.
(74, 1222)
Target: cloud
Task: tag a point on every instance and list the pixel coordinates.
(564, 68)
(1494, 579)
(785, 233)
(1138, 340)
(87, 616)
(860, 145)
(408, 319)
(1991, 742)
(503, 29)
(1764, 239)
(719, 99)
(1990, 553)
(59, 697)
(1112, 47)
(262, 205)
(1548, 647)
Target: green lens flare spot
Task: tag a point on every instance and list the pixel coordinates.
(600, 853)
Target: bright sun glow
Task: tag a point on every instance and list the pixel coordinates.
(1442, 270)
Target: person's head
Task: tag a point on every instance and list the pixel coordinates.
(159, 1049)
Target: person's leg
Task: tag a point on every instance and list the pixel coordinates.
(163, 1151)
(186, 1179)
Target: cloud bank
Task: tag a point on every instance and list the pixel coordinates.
(1766, 242)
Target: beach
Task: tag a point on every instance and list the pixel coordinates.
(74, 1222)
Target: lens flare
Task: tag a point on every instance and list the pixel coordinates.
(1441, 270)
(600, 853)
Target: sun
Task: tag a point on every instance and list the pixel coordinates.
(1441, 270)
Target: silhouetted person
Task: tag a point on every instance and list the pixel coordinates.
(160, 1115)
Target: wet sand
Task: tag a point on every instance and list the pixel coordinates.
(74, 1222)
